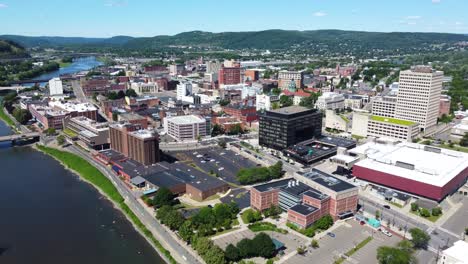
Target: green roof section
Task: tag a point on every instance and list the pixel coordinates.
(393, 120)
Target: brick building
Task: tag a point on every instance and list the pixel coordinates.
(229, 75)
(245, 114)
(307, 197)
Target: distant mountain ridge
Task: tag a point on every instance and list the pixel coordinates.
(267, 39)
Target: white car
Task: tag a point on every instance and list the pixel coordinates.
(203, 161)
(212, 160)
(385, 232)
(195, 153)
(222, 153)
(199, 156)
(220, 169)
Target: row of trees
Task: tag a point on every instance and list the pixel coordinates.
(260, 246)
(403, 252)
(424, 212)
(121, 94)
(321, 224)
(260, 174)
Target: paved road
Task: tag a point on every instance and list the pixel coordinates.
(439, 237)
(78, 91)
(181, 254)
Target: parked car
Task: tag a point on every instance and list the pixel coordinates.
(220, 169)
(386, 206)
(362, 223)
(385, 232)
(330, 234)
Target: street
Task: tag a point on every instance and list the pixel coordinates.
(179, 252)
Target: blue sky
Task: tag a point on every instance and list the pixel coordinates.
(105, 18)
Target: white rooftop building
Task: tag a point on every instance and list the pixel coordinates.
(188, 127)
(457, 254)
(55, 87)
(331, 101)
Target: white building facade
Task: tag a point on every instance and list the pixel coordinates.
(55, 87)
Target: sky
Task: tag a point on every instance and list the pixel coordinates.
(146, 18)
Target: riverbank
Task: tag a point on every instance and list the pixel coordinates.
(94, 177)
(5, 117)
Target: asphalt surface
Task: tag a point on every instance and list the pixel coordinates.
(439, 238)
(181, 254)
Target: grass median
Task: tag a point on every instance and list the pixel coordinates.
(95, 177)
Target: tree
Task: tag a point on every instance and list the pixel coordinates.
(464, 140)
(276, 91)
(264, 246)
(314, 243)
(300, 250)
(232, 253)
(61, 140)
(224, 102)
(275, 105)
(324, 222)
(276, 170)
(466, 231)
(246, 248)
(424, 212)
(22, 115)
(163, 196)
(420, 238)
(131, 93)
(436, 211)
(390, 255)
(414, 207)
(286, 100)
(163, 211)
(217, 130)
(377, 214)
(174, 219)
(309, 101)
(50, 131)
(236, 129)
(222, 143)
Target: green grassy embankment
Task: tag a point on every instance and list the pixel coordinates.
(96, 178)
(5, 117)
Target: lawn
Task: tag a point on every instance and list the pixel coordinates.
(265, 226)
(392, 120)
(70, 133)
(455, 147)
(354, 250)
(431, 218)
(397, 205)
(95, 177)
(5, 117)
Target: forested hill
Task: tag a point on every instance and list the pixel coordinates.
(268, 39)
(11, 50)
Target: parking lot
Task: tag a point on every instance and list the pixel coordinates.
(222, 162)
(240, 196)
(346, 237)
(290, 240)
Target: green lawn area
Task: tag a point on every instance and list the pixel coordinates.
(70, 133)
(392, 120)
(5, 117)
(344, 118)
(93, 175)
(357, 137)
(455, 147)
(265, 226)
(397, 205)
(430, 218)
(354, 250)
(64, 64)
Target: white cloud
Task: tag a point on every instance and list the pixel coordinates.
(320, 14)
(436, 1)
(3, 5)
(458, 23)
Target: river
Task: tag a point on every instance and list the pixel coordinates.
(48, 215)
(78, 64)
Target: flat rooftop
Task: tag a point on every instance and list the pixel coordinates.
(326, 180)
(186, 120)
(303, 209)
(290, 110)
(393, 121)
(416, 162)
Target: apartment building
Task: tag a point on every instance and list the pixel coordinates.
(369, 125)
(331, 101)
(134, 142)
(55, 87)
(229, 75)
(418, 96)
(285, 78)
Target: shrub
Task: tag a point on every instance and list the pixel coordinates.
(314, 243)
(414, 207)
(436, 211)
(424, 212)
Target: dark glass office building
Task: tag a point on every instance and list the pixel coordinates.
(287, 126)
